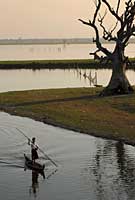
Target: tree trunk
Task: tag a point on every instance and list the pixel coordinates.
(119, 83)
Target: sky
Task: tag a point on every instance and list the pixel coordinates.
(45, 18)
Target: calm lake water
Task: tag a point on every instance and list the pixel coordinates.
(11, 80)
(89, 168)
(42, 79)
(47, 52)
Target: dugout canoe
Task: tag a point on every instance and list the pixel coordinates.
(33, 166)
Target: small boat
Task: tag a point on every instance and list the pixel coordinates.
(33, 166)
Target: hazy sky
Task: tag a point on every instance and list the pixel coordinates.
(44, 18)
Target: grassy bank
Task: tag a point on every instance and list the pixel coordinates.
(78, 109)
(60, 64)
(51, 64)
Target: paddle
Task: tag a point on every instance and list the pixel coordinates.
(29, 140)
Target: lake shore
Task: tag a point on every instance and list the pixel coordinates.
(59, 64)
(78, 109)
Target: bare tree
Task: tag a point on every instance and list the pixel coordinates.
(120, 34)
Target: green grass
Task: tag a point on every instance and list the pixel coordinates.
(49, 64)
(64, 61)
(79, 109)
(59, 64)
(70, 61)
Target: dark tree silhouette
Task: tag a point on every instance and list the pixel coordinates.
(120, 34)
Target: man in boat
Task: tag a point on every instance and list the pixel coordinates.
(34, 148)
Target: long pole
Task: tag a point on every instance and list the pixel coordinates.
(38, 147)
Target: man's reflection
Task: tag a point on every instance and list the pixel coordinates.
(35, 184)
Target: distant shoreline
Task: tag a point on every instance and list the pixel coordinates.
(43, 41)
(52, 41)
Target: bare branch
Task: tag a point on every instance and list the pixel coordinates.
(113, 29)
(98, 43)
(118, 5)
(101, 59)
(115, 14)
(105, 32)
(96, 12)
(107, 35)
(96, 56)
(128, 35)
(92, 24)
(127, 29)
(95, 2)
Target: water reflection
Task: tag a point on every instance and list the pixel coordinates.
(113, 171)
(126, 167)
(88, 75)
(89, 168)
(35, 183)
(11, 80)
(49, 52)
(120, 153)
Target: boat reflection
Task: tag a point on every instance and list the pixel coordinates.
(35, 183)
(34, 188)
